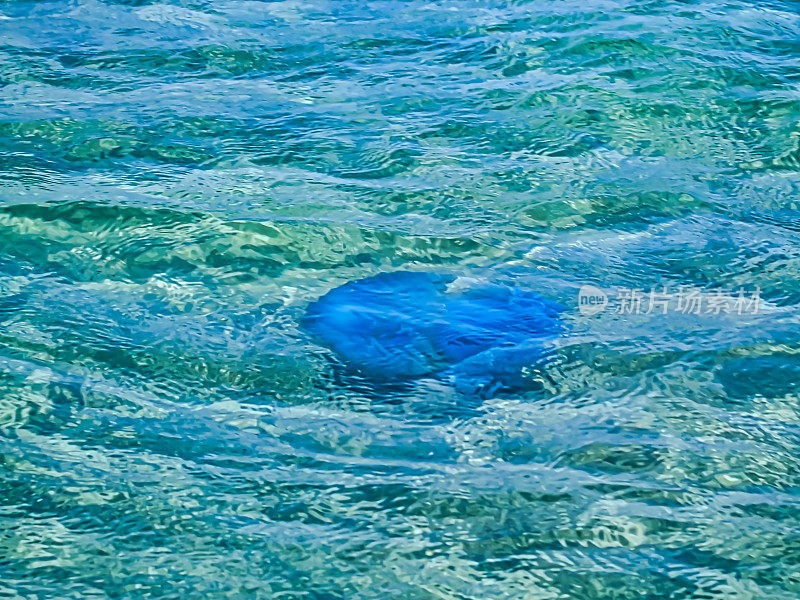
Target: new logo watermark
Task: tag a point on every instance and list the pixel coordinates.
(686, 300)
(591, 300)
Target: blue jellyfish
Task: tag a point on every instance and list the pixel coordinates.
(395, 328)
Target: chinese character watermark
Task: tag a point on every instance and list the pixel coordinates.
(685, 300)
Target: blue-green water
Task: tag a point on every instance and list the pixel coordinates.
(179, 181)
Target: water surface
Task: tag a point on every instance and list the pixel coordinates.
(178, 181)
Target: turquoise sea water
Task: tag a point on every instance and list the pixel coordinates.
(178, 181)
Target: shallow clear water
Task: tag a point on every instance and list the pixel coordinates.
(179, 181)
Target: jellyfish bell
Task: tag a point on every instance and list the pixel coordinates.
(402, 326)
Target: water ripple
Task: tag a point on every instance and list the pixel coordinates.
(178, 181)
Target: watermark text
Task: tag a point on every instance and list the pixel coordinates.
(660, 301)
